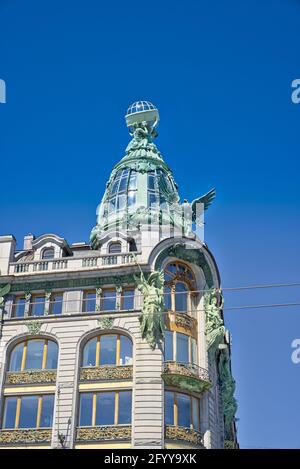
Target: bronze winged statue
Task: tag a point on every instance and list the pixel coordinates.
(151, 320)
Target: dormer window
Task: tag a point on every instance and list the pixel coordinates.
(48, 253)
(115, 248)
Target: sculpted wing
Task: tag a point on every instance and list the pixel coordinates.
(205, 199)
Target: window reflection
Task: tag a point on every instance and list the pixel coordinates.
(105, 408)
(34, 354)
(104, 350)
(34, 411)
(37, 306)
(182, 410)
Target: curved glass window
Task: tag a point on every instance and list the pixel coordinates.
(181, 297)
(180, 348)
(107, 349)
(182, 410)
(36, 354)
(48, 253)
(180, 287)
(121, 193)
(105, 408)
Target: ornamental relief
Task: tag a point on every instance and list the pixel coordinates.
(25, 436)
(106, 373)
(185, 434)
(104, 433)
(31, 377)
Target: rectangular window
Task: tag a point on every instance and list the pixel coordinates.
(194, 351)
(10, 412)
(125, 398)
(89, 302)
(169, 408)
(108, 300)
(169, 346)
(105, 408)
(182, 348)
(128, 299)
(37, 306)
(196, 422)
(19, 308)
(47, 412)
(184, 410)
(56, 303)
(28, 412)
(86, 409)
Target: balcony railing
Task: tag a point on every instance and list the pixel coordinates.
(25, 437)
(184, 434)
(72, 263)
(106, 372)
(103, 433)
(31, 377)
(186, 376)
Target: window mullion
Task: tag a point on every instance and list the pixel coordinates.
(94, 410)
(116, 407)
(24, 357)
(45, 351)
(175, 346)
(175, 410)
(118, 351)
(39, 412)
(18, 410)
(97, 362)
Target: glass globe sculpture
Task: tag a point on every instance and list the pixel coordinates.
(141, 111)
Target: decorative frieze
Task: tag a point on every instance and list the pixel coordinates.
(185, 321)
(31, 377)
(110, 432)
(184, 434)
(27, 436)
(186, 376)
(106, 373)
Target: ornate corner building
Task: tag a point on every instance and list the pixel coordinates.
(119, 343)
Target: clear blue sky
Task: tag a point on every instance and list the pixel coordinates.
(220, 73)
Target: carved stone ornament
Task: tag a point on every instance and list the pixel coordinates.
(111, 432)
(34, 327)
(184, 434)
(185, 321)
(32, 436)
(106, 373)
(105, 323)
(31, 377)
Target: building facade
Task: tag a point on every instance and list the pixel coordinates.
(119, 343)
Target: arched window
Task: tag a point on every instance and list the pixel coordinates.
(48, 253)
(107, 349)
(35, 354)
(115, 247)
(180, 286)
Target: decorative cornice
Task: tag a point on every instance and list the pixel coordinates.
(111, 432)
(73, 283)
(31, 377)
(102, 373)
(32, 436)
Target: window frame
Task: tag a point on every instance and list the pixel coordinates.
(185, 275)
(18, 411)
(190, 348)
(94, 408)
(24, 355)
(98, 351)
(175, 409)
(49, 248)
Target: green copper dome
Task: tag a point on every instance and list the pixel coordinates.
(141, 189)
